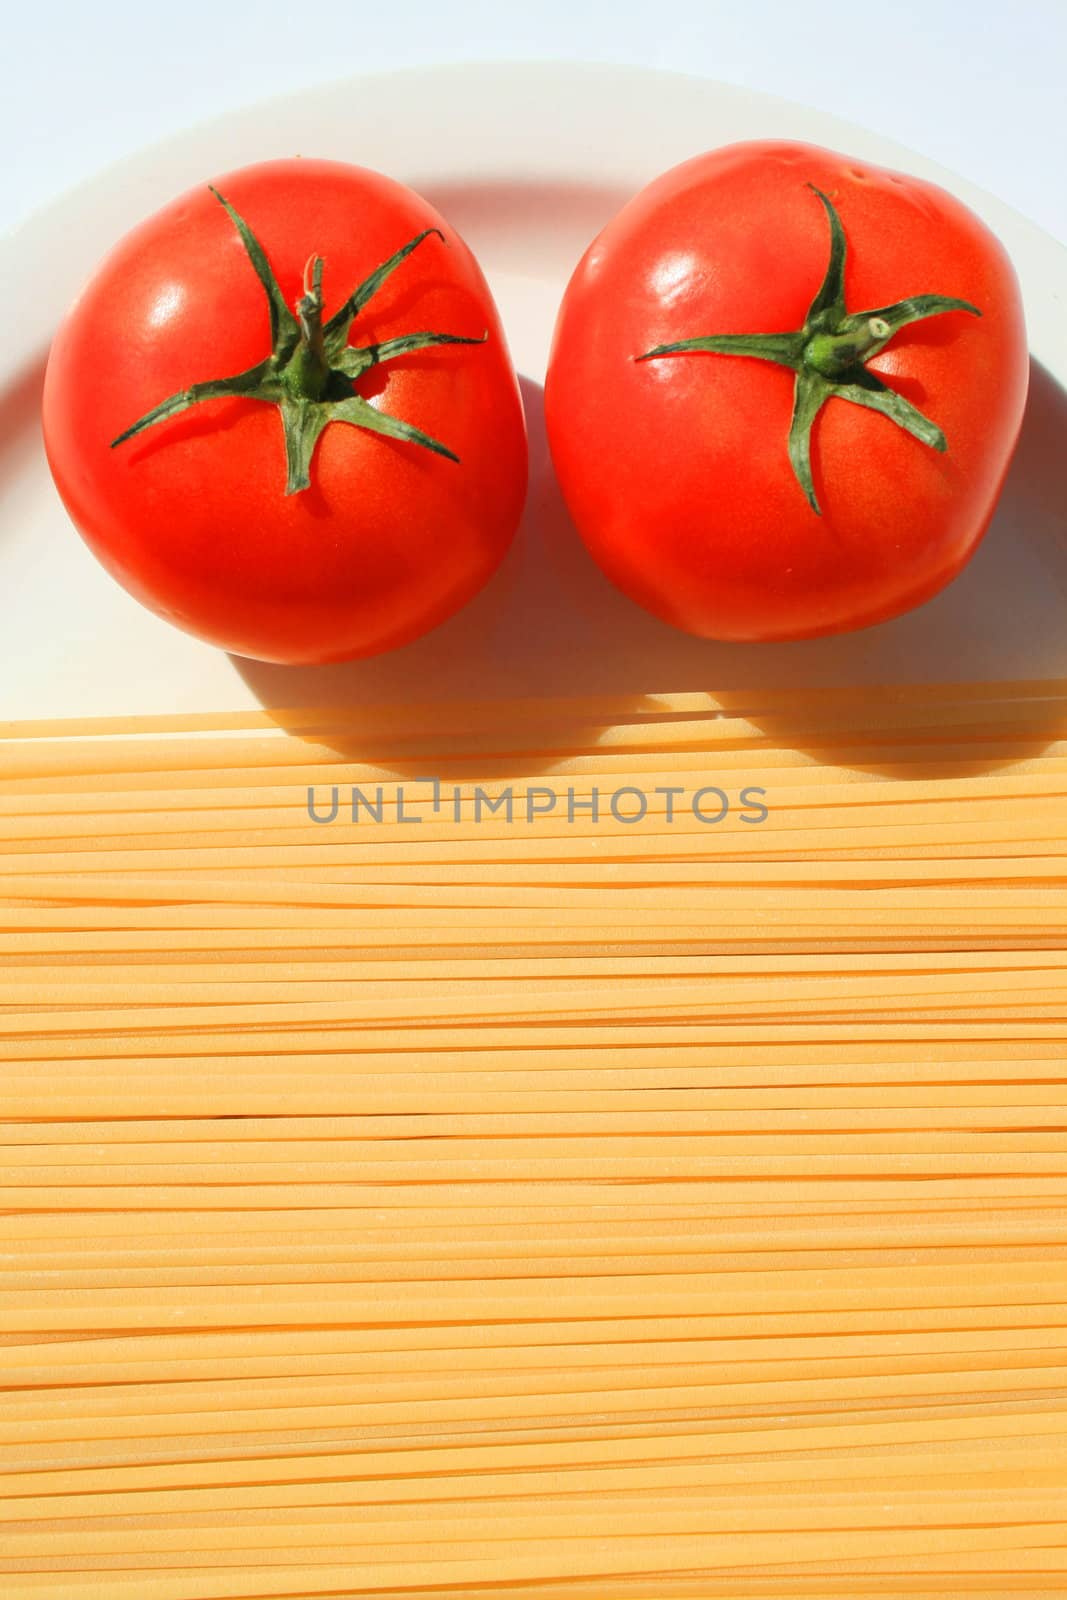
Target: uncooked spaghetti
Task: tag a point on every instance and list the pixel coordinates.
(540, 1201)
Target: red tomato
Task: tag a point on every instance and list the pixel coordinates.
(380, 535)
(695, 476)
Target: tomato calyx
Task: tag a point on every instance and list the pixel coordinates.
(829, 354)
(312, 370)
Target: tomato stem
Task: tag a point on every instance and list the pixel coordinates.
(307, 374)
(312, 370)
(833, 354)
(829, 355)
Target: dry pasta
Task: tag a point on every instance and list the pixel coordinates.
(552, 1204)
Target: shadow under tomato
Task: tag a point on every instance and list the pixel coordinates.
(20, 412)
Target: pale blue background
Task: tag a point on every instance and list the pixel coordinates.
(977, 85)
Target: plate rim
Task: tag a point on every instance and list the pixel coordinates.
(582, 150)
(25, 252)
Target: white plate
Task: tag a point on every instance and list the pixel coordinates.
(528, 162)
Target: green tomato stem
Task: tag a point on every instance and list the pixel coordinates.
(829, 355)
(834, 354)
(306, 375)
(311, 371)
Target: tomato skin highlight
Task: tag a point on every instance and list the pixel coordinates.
(192, 517)
(676, 471)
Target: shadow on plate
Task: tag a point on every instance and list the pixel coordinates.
(20, 412)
